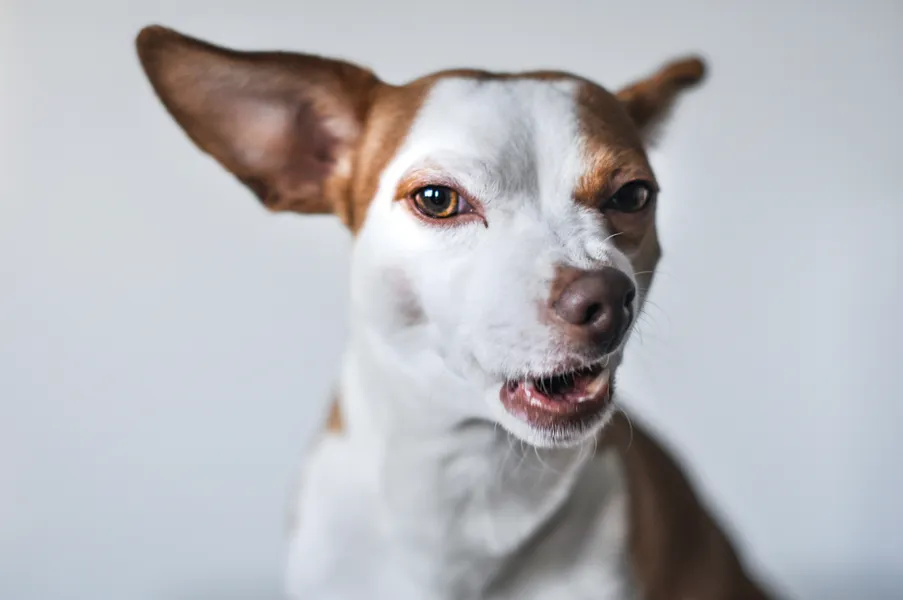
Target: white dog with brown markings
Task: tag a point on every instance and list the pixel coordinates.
(504, 240)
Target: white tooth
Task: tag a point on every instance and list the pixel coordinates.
(531, 395)
(596, 385)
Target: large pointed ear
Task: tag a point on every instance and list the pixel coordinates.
(649, 101)
(284, 124)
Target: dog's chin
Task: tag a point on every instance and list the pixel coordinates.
(557, 409)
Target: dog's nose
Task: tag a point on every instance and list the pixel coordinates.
(599, 303)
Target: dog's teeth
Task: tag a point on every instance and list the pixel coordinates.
(596, 385)
(530, 390)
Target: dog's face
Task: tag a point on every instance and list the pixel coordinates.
(505, 223)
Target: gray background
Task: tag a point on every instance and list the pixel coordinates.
(166, 346)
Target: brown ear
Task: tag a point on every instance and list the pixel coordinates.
(285, 124)
(648, 102)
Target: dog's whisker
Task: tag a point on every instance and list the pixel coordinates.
(652, 304)
(500, 471)
(523, 455)
(612, 236)
(621, 410)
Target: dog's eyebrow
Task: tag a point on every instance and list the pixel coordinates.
(417, 178)
(608, 171)
(456, 173)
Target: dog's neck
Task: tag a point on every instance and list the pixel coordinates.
(461, 493)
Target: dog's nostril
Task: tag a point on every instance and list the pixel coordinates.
(593, 311)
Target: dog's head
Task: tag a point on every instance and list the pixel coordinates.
(504, 222)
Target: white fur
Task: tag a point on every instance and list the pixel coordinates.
(435, 491)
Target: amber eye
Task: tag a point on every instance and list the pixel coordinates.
(632, 197)
(438, 201)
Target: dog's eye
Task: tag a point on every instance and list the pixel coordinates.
(439, 202)
(632, 197)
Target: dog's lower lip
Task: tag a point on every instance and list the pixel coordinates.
(549, 400)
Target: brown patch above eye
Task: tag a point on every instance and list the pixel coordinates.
(611, 144)
(614, 156)
(393, 110)
(600, 181)
(609, 171)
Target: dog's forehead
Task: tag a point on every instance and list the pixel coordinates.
(516, 125)
(536, 95)
(486, 110)
(499, 137)
(499, 114)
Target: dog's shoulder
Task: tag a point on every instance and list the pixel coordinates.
(678, 548)
(331, 532)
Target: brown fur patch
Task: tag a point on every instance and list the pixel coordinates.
(611, 144)
(392, 112)
(678, 549)
(649, 101)
(616, 156)
(334, 421)
(281, 122)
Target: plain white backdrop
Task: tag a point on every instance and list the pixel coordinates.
(166, 346)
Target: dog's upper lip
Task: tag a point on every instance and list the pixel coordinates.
(564, 368)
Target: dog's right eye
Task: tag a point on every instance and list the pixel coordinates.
(439, 202)
(631, 198)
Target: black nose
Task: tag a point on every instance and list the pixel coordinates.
(599, 304)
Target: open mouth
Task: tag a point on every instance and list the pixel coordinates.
(560, 398)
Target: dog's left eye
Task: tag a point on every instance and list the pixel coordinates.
(632, 197)
(439, 202)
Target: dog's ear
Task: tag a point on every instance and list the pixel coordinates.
(284, 124)
(649, 101)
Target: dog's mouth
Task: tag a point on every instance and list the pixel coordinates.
(561, 398)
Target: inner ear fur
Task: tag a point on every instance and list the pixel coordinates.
(285, 124)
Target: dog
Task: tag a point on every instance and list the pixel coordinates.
(505, 240)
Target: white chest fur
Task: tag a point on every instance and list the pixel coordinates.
(471, 515)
